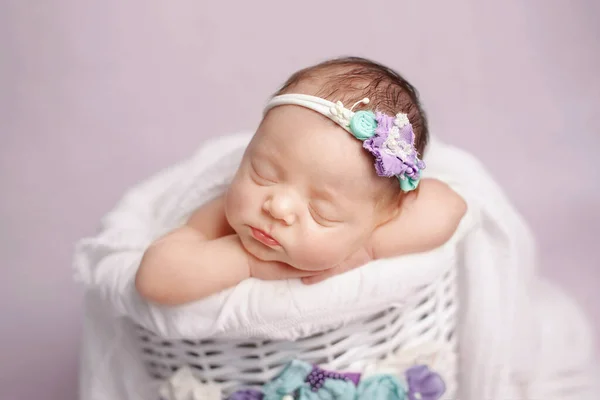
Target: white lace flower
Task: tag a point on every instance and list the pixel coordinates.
(407, 148)
(393, 146)
(401, 120)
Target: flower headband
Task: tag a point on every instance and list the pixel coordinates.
(389, 139)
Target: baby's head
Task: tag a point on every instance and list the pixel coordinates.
(307, 179)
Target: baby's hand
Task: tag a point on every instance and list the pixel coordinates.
(358, 259)
(273, 270)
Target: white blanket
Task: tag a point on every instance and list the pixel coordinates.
(511, 344)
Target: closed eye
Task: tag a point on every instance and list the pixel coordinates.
(259, 179)
(321, 220)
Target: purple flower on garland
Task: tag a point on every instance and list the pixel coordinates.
(393, 148)
(424, 384)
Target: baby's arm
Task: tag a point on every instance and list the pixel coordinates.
(198, 259)
(427, 220)
(201, 258)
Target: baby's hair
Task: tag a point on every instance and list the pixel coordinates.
(350, 79)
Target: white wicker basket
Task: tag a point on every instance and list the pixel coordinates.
(427, 316)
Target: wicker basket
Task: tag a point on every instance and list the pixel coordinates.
(428, 316)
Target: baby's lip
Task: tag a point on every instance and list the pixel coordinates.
(264, 237)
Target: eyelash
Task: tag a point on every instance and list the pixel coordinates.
(260, 178)
(319, 217)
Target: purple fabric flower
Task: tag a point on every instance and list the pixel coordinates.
(247, 394)
(393, 149)
(424, 384)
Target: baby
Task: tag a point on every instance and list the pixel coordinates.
(322, 189)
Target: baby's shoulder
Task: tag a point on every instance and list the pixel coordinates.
(435, 193)
(435, 208)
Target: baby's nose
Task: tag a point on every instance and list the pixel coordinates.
(281, 207)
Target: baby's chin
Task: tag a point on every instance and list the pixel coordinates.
(261, 251)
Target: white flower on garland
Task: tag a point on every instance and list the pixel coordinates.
(437, 356)
(183, 385)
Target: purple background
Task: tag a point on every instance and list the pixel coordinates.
(95, 96)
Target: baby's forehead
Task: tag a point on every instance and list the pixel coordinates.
(303, 142)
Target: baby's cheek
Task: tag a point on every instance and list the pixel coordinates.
(322, 254)
(235, 206)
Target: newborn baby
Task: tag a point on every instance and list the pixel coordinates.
(322, 189)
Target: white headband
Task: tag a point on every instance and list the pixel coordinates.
(334, 111)
(390, 139)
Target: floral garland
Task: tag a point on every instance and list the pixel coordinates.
(302, 381)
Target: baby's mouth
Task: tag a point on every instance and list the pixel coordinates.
(264, 237)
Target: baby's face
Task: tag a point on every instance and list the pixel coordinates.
(305, 192)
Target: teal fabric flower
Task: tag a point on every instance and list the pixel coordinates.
(381, 387)
(363, 124)
(407, 184)
(290, 380)
(294, 382)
